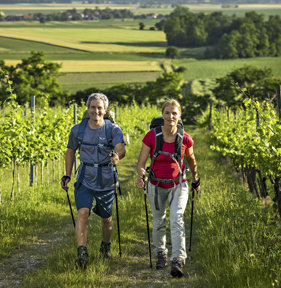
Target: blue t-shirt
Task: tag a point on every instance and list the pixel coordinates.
(97, 154)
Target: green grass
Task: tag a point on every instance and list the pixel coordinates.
(33, 212)
(231, 235)
(236, 242)
(214, 68)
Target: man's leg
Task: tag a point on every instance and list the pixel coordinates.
(107, 229)
(82, 227)
(81, 236)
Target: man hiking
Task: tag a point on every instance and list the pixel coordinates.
(96, 140)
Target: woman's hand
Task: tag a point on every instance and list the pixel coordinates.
(141, 181)
(142, 178)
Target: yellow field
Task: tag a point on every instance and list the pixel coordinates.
(103, 66)
(91, 39)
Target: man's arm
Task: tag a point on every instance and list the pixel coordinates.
(119, 154)
(69, 160)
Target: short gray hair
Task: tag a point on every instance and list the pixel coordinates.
(96, 96)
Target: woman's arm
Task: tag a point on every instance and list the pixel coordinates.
(190, 157)
(144, 153)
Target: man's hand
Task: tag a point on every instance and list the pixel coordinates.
(64, 182)
(114, 157)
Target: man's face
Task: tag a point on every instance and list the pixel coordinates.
(96, 109)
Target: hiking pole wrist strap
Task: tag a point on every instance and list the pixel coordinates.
(64, 178)
(196, 184)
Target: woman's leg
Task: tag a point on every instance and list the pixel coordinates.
(159, 218)
(177, 228)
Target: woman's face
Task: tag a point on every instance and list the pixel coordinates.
(171, 115)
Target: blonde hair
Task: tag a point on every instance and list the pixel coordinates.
(171, 102)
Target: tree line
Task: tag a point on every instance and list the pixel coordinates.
(226, 36)
(72, 15)
(36, 76)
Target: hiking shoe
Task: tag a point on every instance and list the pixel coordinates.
(105, 251)
(82, 260)
(177, 265)
(161, 260)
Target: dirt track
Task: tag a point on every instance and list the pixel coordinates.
(14, 269)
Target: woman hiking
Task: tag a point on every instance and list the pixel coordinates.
(167, 182)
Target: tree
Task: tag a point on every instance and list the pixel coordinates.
(141, 26)
(35, 76)
(166, 86)
(248, 81)
(228, 45)
(273, 28)
(196, 97)
(172, 52)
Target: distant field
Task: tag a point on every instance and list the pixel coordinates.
(103, 66)
(107, 53)
(79, 81)
(91, 38)
(266, 9)
(211, 69)
(196, 69)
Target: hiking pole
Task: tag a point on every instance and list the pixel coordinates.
(147, 224)
(70, 208)
(117, 214)
(63, 179)
(194, 186)
(191, 218)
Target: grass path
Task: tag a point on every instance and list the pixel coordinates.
(224, 239)
(14, 268)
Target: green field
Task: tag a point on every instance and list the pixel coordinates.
(109, 52)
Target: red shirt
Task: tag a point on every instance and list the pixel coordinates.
(164, 167)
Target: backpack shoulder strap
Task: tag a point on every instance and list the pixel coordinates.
(178, 143)
(108, 131)
(158, 140)
(81, 131)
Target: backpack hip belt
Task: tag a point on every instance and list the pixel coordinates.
(166, 181)
(97, 165)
